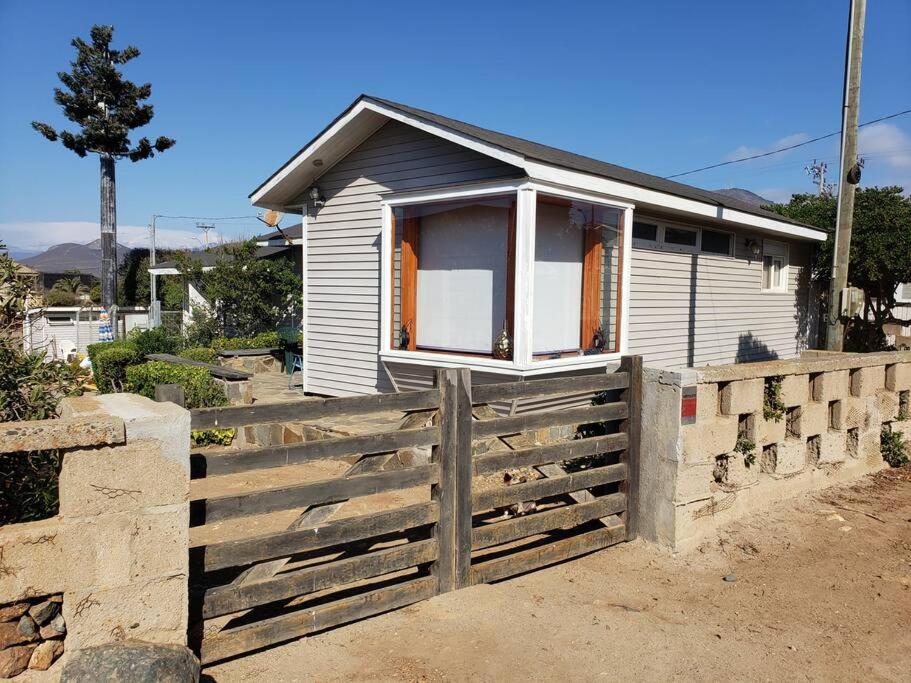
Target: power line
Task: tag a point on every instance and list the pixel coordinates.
(785, 149)
(206, 218)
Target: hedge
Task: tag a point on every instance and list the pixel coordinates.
(201, 353)
(155, 340)
(200, 389)
(261, 341)
(110, 361)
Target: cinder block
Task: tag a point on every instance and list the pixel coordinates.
(884, 404)
(830, 386)
(795, 390)
(866, 381)
(739, 474)
(832, 447)
(154, 611)
(770, 431)
(869, 446)
(849, 413)
(704, 440)
(706, 401)
(814, 419)
(695, 481)
(785, 458)
(106, 480)
(743, 396)
(898, 377)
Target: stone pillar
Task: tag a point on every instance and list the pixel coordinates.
(124, 525)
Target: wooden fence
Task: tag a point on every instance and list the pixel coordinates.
(460, 524)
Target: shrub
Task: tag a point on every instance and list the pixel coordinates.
(155, 340)
(30, 389)
(200, 390)
(892, 447)
(201, 353)
(214, 437)
(110, 361)
(260, 341)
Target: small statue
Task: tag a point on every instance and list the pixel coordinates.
(502, 347)
(404, 336)
(599, 339)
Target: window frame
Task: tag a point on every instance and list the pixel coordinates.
(523, 363)
(661, 244)
(776, 250)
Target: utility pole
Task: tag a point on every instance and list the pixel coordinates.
(817, 170)
(848, 174)
(154, 309)
(205, 227)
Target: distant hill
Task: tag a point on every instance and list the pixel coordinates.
(746, 196)
(85, 258)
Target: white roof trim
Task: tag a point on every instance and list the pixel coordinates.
(544, 172)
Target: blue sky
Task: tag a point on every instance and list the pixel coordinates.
(662, 87)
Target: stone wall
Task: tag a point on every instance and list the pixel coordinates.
(117, 551)
(734, 450)
(267, 361)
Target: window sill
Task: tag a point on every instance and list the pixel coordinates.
(495, 366)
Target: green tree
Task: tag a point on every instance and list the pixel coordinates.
(248, 294)
(71, 283)
(880, 256)
(106, 107)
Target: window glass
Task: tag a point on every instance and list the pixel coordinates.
(645, 231)
(451, 292)
(766, 272)
(682, 237)
(575, 277)
(716, 242)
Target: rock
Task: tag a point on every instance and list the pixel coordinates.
(56, 598)
(55, 628)
(43, 612)
(11, 635)
(13, 612)
(14, 660)
(28, 627)
(132, 661)
(45, 654)
(730, 578)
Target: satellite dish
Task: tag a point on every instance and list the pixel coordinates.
(271, 217)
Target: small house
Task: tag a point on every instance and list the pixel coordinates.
(428, 242)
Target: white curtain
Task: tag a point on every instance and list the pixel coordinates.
(461, 287)
(559, 247)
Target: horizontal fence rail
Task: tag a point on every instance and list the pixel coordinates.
(456, 519)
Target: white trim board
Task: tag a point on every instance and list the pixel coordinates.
(372, 115)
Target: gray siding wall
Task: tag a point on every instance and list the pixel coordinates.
(343, 329)
(725, 317)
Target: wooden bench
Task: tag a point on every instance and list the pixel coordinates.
(214, 370)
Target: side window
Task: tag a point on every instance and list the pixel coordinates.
(645, 234)
(774, 266)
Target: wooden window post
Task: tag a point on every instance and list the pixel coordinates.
(591, 287)
(409, 280)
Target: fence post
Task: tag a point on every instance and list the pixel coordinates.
(632, 395)
(453, 491)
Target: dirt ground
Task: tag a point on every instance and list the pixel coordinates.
(822, 592)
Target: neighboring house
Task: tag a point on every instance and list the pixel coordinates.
(193, 298)
(902, 310)
(424, 238)
(59, 331)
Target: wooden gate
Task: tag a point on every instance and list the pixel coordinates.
(456, 523)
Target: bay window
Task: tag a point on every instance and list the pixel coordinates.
(513, 277)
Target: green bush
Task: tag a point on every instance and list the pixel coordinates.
(110, 361)
(201, 353)
(213, 437)
(260, 341)
(892, 447)
(200, 390)
(155, 340)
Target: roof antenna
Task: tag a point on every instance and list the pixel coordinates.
(272, 219)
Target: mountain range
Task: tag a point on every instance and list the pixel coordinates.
(60, 258)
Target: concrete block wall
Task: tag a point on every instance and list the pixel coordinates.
(700, 472)
(117, 551)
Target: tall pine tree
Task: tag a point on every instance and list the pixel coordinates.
(106, 107)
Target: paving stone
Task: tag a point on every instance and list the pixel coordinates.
(849, 413)
(704, 440)
(814, 419)
(830, 386)
(795, 389)
(898, 377)
(832, 447)
(770, 431)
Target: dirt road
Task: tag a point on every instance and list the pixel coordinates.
(822, 592)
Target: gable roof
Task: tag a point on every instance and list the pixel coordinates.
(522, 149)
